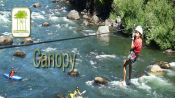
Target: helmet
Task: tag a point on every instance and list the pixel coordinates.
(139, 29)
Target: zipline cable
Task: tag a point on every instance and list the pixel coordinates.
(50, 41)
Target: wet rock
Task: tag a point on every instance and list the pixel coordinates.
(118, 23)
(108, 22)
(85, 16)
(45, 24)
(73, 14)
(103, 30)
(73, 73)
(84, 12)
(169, 51)
(6, 40)
(85, 22)
(36, 5)
(95, 19)
(60, 96)
(154, 68)
(27, 40)
(100, 80)
(164, 65)
(19, 53)
(111, 23)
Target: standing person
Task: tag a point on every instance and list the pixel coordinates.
(136, 47)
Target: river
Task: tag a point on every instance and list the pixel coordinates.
(95, 57)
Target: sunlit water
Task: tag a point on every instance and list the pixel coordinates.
(96, 56)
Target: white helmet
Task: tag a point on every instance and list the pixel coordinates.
(139, 29)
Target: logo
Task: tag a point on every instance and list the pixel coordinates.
(21, 22)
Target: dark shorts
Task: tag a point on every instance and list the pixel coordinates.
(132, 57)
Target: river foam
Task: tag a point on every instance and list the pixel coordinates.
(146, 83)
(1, 97)
(49, 49)
(37, 15)
(4, 16)
(105, 56)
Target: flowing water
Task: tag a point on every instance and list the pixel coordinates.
(96, 56)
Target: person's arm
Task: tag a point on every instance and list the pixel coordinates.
(132, 44)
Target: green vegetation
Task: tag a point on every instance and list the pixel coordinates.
(157, 17)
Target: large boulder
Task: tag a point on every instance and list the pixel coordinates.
(6, 40)
(164, 65)
(103, 30)
(36, 5)
(73, 73)
(100, 80)
(154, 68)
(27, 40)
(19, 53)
(169, 51)
(73, 14)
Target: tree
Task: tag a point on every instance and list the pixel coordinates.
(157, 17)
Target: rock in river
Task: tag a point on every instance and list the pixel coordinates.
(95, 19)
(6, 40)
(103, 30)
(73, 14)
(45, 24)
(19, 53)
(36, 5)
(73, 73)
(154, 68)
(27, 40)
(164, 65)
(100, 80)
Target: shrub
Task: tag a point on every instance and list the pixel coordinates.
(157, 17)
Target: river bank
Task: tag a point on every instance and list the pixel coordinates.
(157, 33)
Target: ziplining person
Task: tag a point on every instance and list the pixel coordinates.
(136, 47)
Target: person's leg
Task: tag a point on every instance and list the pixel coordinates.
(124, 69)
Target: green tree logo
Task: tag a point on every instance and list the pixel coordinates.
(21, 16)
(21, 22)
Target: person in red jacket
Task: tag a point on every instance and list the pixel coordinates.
(12, 72)
(136, 47)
